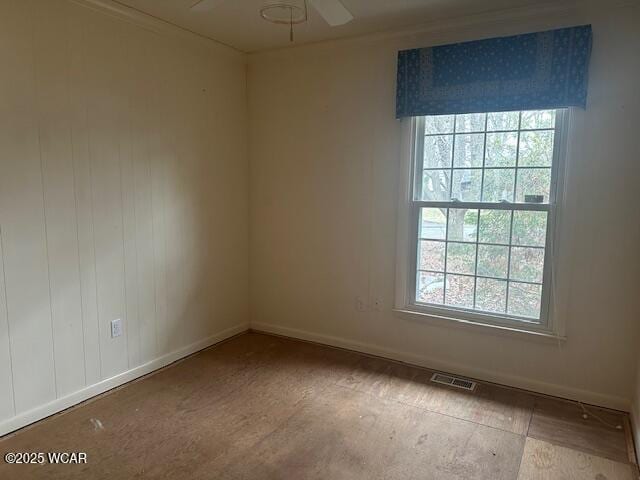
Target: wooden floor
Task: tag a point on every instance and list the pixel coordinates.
(265, 407)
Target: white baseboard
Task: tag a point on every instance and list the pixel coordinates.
(43, 411)
(59, 404)
(585, 396)
(635, 426)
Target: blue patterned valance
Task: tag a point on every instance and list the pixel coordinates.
(524, 72)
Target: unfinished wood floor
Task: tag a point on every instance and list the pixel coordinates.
(264, 407)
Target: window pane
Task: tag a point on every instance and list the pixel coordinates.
(493, 261)
(502, 121)
(470, 122)
(433, 223)
(461, 258)
(430, 287)
(466, 185)
(502, 149)
(529, 228)
(431, 256)
(491, 295)
(524, 299)
(435, 185)
(469, 150)
(538, 119)
(495, 226)
(463, 224)
(437, 151)
(459, 291)
(536, 148)
(498, 184)
(527, 264)
(533, 181)
(438, 124)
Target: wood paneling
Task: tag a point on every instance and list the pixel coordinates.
(52, 74)
(160, 150)
(7, 407)
(106, 209)
(84, 200)
(142, 124)
(22, 214)
(103, 69)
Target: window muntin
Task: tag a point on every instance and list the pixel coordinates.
(483, 201)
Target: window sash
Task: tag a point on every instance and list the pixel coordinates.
(415, 203)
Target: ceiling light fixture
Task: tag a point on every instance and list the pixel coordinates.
(289, 12)
(285, 12)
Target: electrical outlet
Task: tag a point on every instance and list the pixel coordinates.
(377, 304)
(361, 304)
(116, 328)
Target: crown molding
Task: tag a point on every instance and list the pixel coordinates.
(119, 10)
(555, 14)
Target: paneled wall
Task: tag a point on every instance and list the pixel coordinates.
(122, 195)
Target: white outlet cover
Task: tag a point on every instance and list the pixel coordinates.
(116, 328)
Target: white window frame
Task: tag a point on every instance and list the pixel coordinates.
(551, 323)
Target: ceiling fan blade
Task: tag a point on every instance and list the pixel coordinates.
(205, 5)
(333, 11)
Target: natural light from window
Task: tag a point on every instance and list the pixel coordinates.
(482, 207)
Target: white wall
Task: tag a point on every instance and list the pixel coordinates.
(324, 156)
(123, 194)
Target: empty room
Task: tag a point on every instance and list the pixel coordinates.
(320, 239)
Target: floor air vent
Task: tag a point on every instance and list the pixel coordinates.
(453, 381)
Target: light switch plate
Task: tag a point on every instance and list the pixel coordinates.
(116, 328)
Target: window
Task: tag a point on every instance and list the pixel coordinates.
(480, 216)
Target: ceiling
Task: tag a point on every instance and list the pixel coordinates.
(237, 23)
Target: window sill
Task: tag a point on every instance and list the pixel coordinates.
(544, 336)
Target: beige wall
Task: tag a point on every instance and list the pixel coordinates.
(324, 156)
(123, 194)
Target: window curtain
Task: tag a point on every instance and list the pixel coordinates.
(532, 71)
